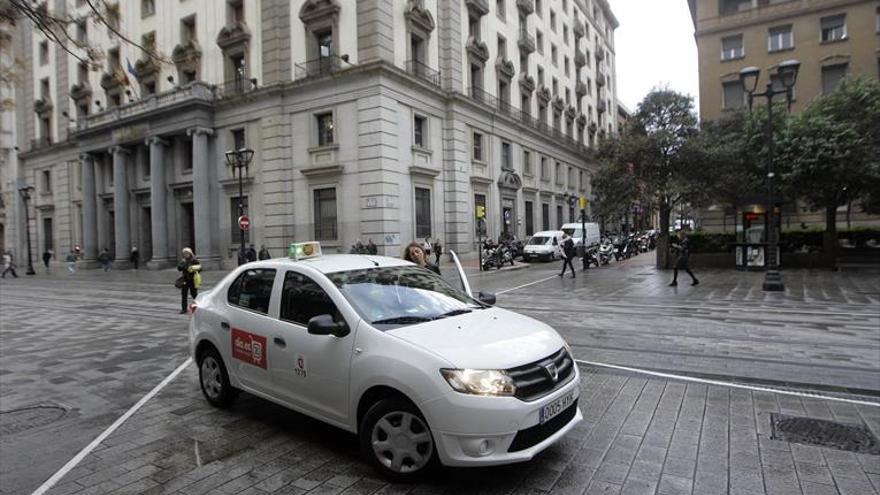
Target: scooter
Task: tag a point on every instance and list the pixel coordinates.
(605, 251)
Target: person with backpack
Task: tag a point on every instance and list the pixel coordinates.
(568, 254)
(190, 279)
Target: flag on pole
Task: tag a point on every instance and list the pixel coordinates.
(130, 71)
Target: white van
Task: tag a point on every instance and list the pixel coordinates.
(574, 230)
(545, 245)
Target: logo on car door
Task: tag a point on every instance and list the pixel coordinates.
(249, 347)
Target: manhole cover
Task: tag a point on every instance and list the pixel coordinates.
(25, 418)
(841, 436)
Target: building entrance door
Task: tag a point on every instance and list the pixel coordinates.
(187, 227)
(146, 245)
(508, 218)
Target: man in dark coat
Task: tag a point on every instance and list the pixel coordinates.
(264, 253)
(251, 254)
(568, 254)
(683, 261)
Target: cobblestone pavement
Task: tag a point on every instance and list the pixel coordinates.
(93, 344)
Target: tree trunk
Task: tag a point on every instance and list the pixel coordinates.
(829, 239)
(663, 239)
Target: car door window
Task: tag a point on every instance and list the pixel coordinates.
(555, 242)
(252, 290)
(302, 299)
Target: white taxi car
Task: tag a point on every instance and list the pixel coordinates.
(421, 371)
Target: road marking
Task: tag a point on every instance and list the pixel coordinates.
(106, 433)
(526, 285)
(726, 384)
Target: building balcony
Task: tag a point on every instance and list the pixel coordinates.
(580, 88)
(580, 59)
(197, 92)
(477, 7)
(423, 72)
(600, 78)
(236, 87)
(320, 67)
(600, 54)
(601, 106)
(503, 107)
(526, 7)
(578, 30)
(41, 142)
(526, 41)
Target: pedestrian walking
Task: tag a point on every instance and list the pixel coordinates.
(71, 261)
(251, 254)
(371, 248)
(190, 279)
(242, 255)
(264, 253)
(426, 247)
(47, 257)
(8, 265)
(438, 250)
(683, 246)
(135, 257)
(415, 253)
(568, 254)
(105, 259)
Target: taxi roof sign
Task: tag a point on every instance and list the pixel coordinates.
(304, 250)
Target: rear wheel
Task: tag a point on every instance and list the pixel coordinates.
(397, 440)
(214, 380)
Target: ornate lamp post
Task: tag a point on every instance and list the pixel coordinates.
(787, 72)
(240, 160)
(26, 197)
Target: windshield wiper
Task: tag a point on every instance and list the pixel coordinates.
(454, 312)
(402, 319)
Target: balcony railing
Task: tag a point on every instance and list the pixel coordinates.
(480, 95)
(196, 91)
(423, 71)
(235, 87)
(320, 67)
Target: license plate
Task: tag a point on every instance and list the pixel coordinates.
(552, 409)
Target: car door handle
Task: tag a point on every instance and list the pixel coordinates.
(279, 342)
(224, 325)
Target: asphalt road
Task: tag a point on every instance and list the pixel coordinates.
(77, 351)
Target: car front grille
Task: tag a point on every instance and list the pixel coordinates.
(534, 380)
(530, 437)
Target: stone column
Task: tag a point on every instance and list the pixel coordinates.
(89, 209)
(202, 192)
(120, 204)
(158, 203)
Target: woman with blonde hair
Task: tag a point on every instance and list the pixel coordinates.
(416, 254)
(190, 278)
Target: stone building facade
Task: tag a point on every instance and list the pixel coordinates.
(382, 120)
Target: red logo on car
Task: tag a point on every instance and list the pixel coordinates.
(249, 347)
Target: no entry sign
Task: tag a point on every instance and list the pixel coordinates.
(244, 222)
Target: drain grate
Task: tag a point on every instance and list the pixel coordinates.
(25, 418)
(824, 433)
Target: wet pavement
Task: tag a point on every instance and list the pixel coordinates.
(79, 350)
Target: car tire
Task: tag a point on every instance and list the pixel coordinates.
(411, 454)
(214, 380)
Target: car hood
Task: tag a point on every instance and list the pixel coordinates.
(492, 338)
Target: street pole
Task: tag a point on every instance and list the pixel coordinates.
(240, 204)
(26, 196)
(584, 236)
(772, 278)
(786, 72)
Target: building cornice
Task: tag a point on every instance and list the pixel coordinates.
(758, 16)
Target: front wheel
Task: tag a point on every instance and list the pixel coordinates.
(397, 440)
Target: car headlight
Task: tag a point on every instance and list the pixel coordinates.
(480, 382)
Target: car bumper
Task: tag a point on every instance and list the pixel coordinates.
(472, 430)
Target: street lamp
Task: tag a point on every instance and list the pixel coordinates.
(240, 159)
(787, 73)
(26, 196)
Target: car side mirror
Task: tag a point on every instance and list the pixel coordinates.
(325, 325)
(486, 297)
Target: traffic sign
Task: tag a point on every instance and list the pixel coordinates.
(244, 222)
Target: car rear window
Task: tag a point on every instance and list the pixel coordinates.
(538, 240)
(252, 290)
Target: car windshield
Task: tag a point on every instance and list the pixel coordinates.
(576, 233)
(389, 297)
(539, 241)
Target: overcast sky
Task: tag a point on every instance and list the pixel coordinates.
(654, 47)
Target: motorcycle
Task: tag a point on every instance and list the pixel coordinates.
(591, 257)
(605, 251)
